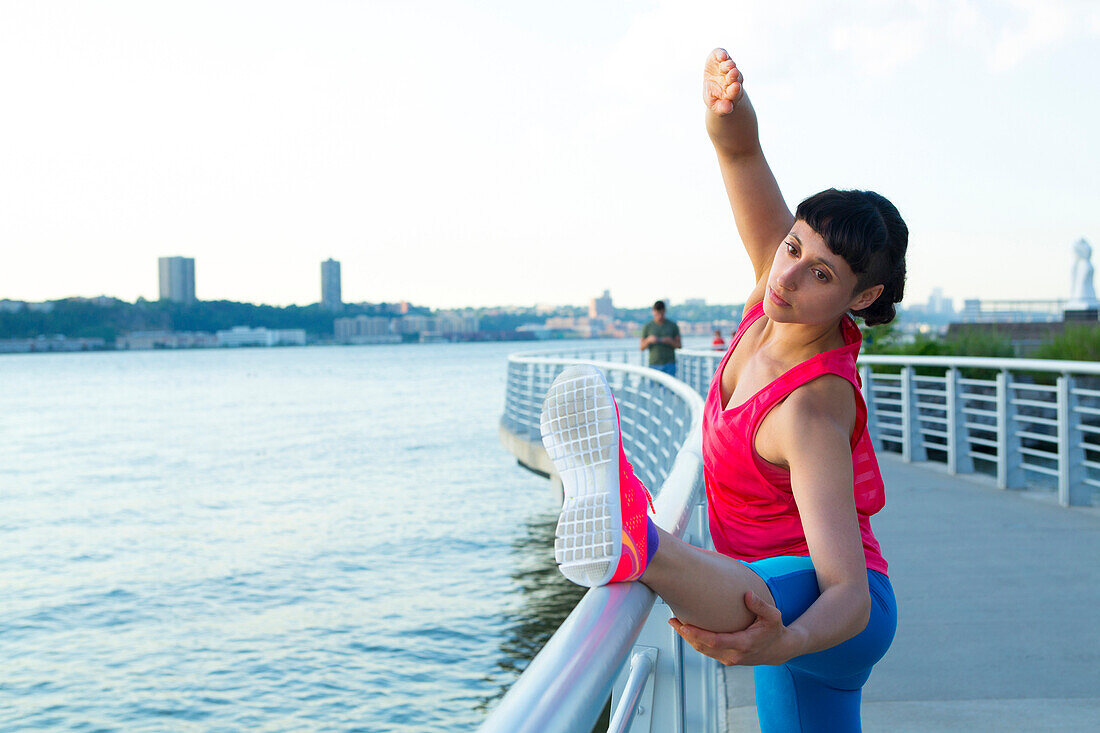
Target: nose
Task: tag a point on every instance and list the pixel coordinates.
(786, 279)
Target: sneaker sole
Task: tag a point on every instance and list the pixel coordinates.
(580, 430)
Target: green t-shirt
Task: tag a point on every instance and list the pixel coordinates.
(661, 353)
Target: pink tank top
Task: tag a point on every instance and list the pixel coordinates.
(752, 509)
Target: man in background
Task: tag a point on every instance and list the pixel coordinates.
(662, 337)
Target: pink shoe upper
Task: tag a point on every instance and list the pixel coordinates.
(635, 500)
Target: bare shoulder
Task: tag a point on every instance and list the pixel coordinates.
(816, 416)
(823, 401)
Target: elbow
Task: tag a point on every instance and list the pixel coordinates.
(863, 611)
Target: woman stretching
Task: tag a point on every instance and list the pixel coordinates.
(798, 586)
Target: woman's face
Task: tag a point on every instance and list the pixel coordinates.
(810, 284)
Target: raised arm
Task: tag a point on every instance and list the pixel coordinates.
(761, 214)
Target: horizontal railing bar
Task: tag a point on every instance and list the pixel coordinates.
(1048, 455)
(1048, 366)
(978, 413)
(1039, 469)
(1028, 387)
(1037, 436)
(1036, 403)
(1035, 420)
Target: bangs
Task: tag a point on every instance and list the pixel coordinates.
(852, 228)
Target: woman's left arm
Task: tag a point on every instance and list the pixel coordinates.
(817, 428)
(813, 426)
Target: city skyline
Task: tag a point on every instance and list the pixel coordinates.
(600, 306)
(298, 133)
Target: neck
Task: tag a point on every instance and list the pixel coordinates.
(793, 341)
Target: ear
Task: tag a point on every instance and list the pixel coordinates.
(866, 298)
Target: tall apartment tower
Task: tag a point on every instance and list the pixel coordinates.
(177, 279)
(330, 285)
(601, 307)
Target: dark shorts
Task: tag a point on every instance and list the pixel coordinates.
(819, 691)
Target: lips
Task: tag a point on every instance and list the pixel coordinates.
(776, 299)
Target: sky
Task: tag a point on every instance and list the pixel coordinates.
(512, 153)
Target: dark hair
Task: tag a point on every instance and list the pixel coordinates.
(659, 305)
(866, 230)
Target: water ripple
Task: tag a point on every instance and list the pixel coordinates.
(323, 539)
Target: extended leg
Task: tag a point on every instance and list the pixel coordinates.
(602, 533)
(704, 588)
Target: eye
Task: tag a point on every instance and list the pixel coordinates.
(791, 249)
(821, 276)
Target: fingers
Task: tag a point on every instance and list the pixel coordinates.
(694, 634)
(762, 608)
(723, 82)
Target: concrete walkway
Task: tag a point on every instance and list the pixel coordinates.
(998, 611)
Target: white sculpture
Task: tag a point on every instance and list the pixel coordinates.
(1083, 295)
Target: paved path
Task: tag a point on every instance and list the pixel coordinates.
(998, 611)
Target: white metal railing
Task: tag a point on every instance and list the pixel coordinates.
(617, 640)
(1030, 423)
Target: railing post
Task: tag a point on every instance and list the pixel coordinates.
(912, 446)
(1009, 471)
(958, 446)
(1072, 490)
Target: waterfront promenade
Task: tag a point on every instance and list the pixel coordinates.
(998, 610)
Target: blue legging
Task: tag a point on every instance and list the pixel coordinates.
(819, 691)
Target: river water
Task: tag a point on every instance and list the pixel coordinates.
(323, 538)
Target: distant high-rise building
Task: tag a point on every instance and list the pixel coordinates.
(601, 307)
(940, 305)
(330, 285)
(177, 279)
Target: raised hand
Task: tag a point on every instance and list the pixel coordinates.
(722, 83)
